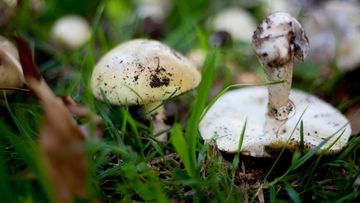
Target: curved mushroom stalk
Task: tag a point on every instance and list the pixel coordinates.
(276, 41)
(156, 113)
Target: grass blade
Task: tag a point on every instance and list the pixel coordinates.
(191, 133)
(5, 187)
(182, 148)
(241, 139)
(302, 137)
(294, 196)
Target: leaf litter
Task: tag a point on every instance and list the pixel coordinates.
(61, 140)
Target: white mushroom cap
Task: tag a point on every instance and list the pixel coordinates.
(330, 30)
(237, 22)
(197, 57)
(71, 31)
(224, 122)
(143, 71)
(349, 53)
(11, 74)
(156, 9)
(289, 6)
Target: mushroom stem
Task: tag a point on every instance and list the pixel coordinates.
(276, 41)
(156, 113)
(279, 105)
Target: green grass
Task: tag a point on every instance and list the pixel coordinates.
(128, 164)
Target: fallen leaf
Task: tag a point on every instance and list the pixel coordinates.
(353, 114)
(82, 111)
(61, 141)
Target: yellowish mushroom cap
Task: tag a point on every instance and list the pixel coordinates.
(142, 71)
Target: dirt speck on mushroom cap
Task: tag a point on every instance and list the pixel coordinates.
(142, 71)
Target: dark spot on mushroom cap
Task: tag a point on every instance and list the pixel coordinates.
(268, 21)
(267, 37)
(155, 81)
(158, 76)
(279, 62)
(175, 54)
(140, 67)
(291, 36)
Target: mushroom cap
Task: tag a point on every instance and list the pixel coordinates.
(349, 53)
(330, 29)
(142, 71)
(278, 37)
(224, 122)
(197, 57)
(289, 6)
(237, 22)
(11, 74)
(71, 31)
(156, 9)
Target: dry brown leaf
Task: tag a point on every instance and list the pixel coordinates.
(353, 114)
(61, 140)
(82, 111)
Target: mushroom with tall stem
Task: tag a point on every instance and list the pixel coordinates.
(276, 41)
(272, 115)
